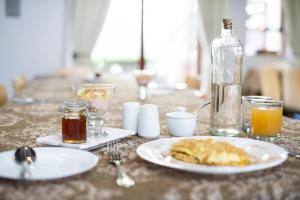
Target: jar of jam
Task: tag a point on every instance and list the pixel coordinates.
(73, 121)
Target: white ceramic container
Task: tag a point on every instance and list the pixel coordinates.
(148, 121)
(181, 123)
(130, 116)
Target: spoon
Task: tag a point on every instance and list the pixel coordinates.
(207, 102)
(25, 156)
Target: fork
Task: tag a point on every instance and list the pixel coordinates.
(294, 154)
(114, 157)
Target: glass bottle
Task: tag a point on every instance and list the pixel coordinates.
(226, 83)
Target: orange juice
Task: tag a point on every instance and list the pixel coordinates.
(266, 121)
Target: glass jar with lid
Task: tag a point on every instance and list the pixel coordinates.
(73, 121)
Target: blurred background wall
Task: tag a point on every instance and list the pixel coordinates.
(34, 42)
(40, 39)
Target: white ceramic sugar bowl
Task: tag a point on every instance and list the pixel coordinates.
(181, 122)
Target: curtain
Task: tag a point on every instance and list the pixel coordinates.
(292, 20)
(211, 13)
(88, 19)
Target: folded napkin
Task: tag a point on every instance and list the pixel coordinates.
(113, 134)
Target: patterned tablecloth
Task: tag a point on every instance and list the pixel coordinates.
(22, 124)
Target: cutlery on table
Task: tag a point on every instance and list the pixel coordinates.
(205, 103)
(294, 154)
(114, 157)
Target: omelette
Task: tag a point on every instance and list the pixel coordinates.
(209, 152)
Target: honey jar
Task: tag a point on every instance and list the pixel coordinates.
(73, 121)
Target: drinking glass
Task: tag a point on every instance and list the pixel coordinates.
(97, 98)
(246, 110)
(266, 119)
(143, 77)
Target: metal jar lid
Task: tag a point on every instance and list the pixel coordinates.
(72, 106)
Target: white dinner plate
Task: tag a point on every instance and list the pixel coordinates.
(51, 163)
(264, 155)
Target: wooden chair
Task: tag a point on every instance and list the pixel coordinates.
(24, 79)
(251, 83)
(78, 71)
(291, 89)
(3, 95)
(270, 80)
(192, 82)
(19, 83)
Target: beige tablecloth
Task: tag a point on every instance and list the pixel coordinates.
(22, 124)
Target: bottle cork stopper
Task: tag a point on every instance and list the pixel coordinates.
(227, 23)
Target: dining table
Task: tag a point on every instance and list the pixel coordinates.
(22, 123)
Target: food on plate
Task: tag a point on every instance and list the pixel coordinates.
(209, 152)
(94, 93)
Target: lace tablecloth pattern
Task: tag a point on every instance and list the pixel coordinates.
(22, 124)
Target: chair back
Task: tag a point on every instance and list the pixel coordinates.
(192, 82)
(291, 89)
(3, 95)
(19, 83)
(76, 71)
(251, 83)
(270, 80)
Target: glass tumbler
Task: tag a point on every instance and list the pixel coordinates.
(143, 78)
(98, 98)
(246, 110)
(266, 119)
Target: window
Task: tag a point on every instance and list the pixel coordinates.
(169, 36)
(119, 40)
(264, 27)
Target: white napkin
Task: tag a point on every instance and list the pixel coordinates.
(113, 134)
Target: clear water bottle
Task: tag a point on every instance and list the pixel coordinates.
(226, 80)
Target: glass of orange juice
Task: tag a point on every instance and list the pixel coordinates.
(266, 119)
(247, 102)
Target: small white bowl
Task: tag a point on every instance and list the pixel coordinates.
(181, 123)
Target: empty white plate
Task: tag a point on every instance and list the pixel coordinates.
(51, 163)
(264, 155)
